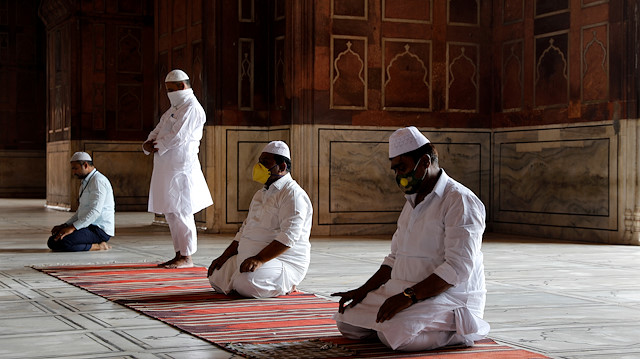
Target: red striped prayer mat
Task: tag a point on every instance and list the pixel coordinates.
(298, 325)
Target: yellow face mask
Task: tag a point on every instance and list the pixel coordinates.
(261, 173)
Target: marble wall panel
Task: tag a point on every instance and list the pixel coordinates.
(559, 177)
(58, 175)
(357, 187)
(127, 168)
(22, 174)
(242, 149)
(355, 183)
(124, 163)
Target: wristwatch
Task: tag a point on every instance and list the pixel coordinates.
(410, 293)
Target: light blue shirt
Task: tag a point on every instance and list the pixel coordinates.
(97, 205)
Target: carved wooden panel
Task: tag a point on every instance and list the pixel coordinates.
(161, 18)
(548, 7)
(280, 75)
(279, 12)
(407, 83)
(349, 9)
(246, 74)
(551, 86)
(22, 75)
(178, 15)
(462, 77)
(129, 108)
(59, 114)
(246, 10)
(162, 102)
(587, 3)
(196, 69)
(348, 72)
(419, 11)
(512, 75)
(512, 11)
(595, 63)
(179, 45)
(463, 12)
(129, 50)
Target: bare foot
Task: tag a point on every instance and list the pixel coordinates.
(170, 262)
(183, 262)
(293, 290)
(102, 246)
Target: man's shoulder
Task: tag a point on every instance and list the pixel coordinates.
(456, 191)
(294, 188)
(100, 177)
(194, 104)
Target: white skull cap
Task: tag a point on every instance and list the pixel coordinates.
(278, 148)
(176, 76)
(405, 140)
(80, 156)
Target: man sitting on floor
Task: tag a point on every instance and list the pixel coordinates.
(270, 254)
(429, 291)
(92, 225)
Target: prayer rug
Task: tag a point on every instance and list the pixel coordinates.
(297, 325)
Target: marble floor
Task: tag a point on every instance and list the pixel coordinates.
(565, 300)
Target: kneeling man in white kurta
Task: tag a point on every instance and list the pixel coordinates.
(430, 290)
(270, 254)
(178, 188)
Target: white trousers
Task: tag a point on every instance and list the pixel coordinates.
(183, 232)
(270, 280)
(423, 341)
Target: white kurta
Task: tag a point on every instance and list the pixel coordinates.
(442, 235)
(177, 182)
(283, 212)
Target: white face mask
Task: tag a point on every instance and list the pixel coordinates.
(177, 98)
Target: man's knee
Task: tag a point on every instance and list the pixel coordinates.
(422, 341)
(253, 286)
(353, 332)
(53, 244)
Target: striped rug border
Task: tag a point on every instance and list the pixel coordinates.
(184, 299)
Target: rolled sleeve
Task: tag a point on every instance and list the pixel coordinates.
(162, 149)
(464, 226)
(292, 224)
(447, 273)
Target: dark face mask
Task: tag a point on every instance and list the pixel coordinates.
(409, 183)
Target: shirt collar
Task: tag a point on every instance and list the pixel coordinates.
(84, 180)
(281, 182)
(438, 189)
(441, 184)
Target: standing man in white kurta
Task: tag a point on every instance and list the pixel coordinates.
(178, 188)
(430, 290)
(270, 254)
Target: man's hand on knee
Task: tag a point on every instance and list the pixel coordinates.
(216, 264)
(65, 231)
(251, 264)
